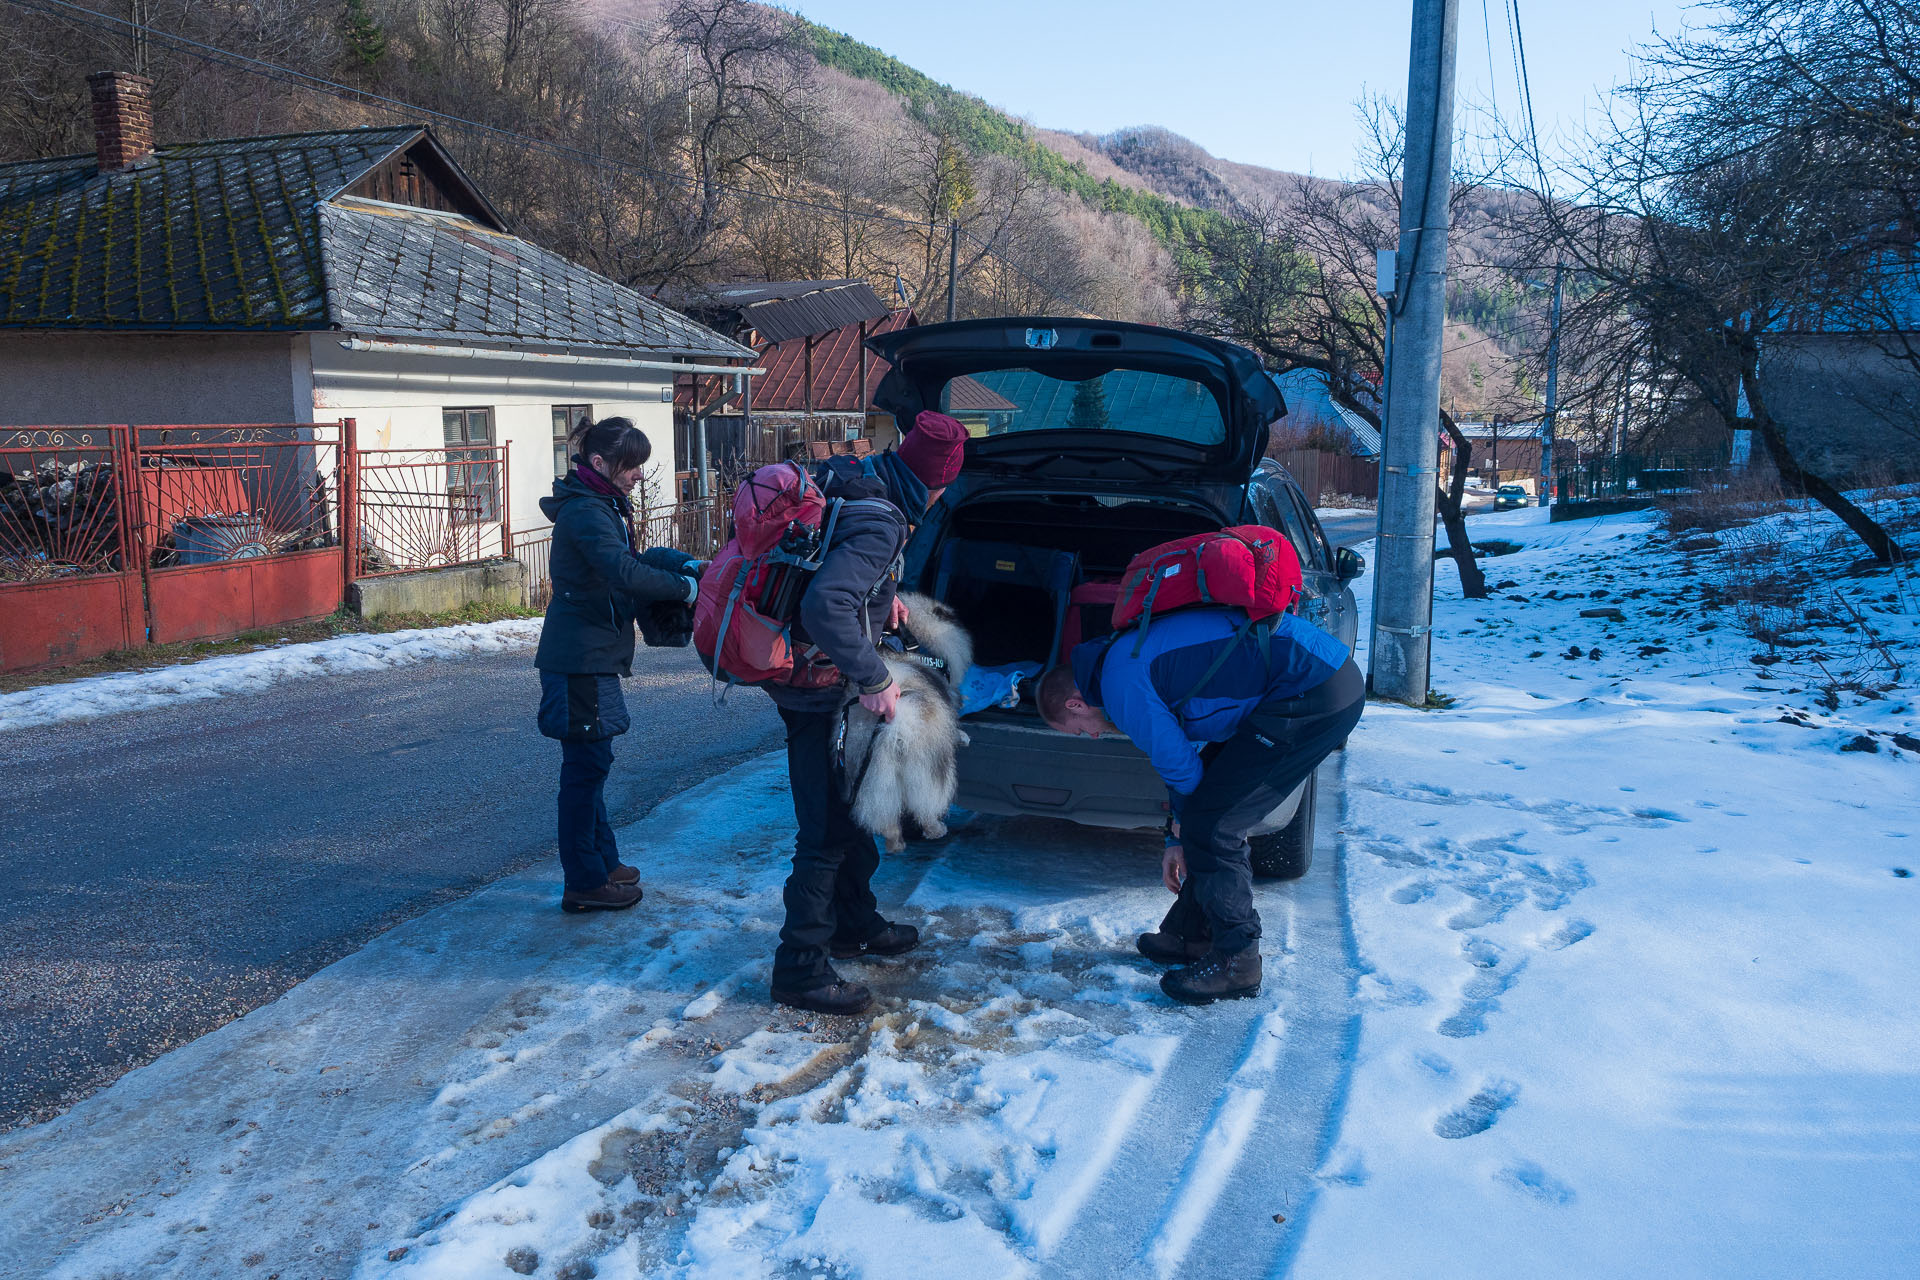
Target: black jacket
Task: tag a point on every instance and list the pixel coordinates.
(599, 585)
(846, 604)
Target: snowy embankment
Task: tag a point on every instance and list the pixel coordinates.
(1636, 920)
(251, 672)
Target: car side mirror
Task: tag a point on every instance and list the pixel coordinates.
(1348, 564)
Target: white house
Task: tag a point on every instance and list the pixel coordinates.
(309, 278)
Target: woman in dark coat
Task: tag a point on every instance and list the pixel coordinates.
(600, 586)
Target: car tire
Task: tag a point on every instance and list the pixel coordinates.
(1286, 854)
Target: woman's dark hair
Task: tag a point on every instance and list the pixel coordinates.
(622, 444)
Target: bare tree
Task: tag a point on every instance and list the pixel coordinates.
(1295, 281)
(1710, 215)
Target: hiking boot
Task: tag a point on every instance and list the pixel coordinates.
(894, 940)
(837, 996)
(1163, 947)
(1216, 977)
(623, 874)
(608, 897)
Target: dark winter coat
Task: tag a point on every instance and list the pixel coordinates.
(846, 604)
(599, 585)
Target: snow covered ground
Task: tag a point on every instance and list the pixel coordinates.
(1626, 991)
(251, 672)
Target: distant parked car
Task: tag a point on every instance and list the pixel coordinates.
(1510, 496)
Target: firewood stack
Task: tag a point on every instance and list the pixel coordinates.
(55, 518)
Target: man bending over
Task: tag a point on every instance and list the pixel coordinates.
(1273, 700)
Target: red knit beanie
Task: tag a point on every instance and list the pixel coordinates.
(933, 449)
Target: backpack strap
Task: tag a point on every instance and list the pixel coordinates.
(1250, 627)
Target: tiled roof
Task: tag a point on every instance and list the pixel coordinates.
(406, 272)
(256, 234)
(211, 235)
(836, 374)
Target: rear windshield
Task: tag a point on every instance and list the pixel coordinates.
(1001, 401)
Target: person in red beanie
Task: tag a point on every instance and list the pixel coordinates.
(849, 601)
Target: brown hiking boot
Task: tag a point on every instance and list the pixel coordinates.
(1163, 947)
(835, 997)
(608, 897)
(894, 940)
(623, 874)
(1216, 977)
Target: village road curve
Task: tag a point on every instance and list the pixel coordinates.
(165, 871)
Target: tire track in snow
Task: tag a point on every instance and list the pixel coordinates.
(1241, 1116)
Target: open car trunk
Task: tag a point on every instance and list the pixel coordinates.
(1016, 567)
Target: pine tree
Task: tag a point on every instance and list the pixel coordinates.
(1089, 411)
(366, 40)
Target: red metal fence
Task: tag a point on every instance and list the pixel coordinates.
(70, 583)
(430, 508)
(241, 526)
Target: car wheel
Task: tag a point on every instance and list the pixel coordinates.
(1287, 853)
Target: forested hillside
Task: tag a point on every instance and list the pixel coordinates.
(674, 143)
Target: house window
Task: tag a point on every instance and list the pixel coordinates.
(565, 418)
(473, 470)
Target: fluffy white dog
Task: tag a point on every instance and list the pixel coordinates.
(904, 767)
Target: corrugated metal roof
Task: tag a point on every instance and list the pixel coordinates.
(253, 234)
(836, 374)
(1507, 431)
(782, 310)
(1309, 400)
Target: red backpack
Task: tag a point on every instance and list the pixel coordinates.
(742, 622)
(1248, 567)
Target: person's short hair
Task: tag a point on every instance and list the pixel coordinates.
(1056, 686)
(622, 444)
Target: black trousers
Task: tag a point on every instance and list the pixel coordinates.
(828, 895)
(587, 851)
(1276, 747)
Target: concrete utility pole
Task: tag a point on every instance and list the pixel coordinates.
(1548, 423)
(1403, 600)
(953, 264)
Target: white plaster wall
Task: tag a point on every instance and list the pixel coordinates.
(63, 379)
(396, 399)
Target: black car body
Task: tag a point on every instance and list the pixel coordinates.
(1169, 444)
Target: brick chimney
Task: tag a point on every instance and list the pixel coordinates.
(122, 119)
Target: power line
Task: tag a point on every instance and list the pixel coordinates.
(1526, 92)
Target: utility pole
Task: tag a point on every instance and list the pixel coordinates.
(953, 263)
(1548, 423)
(1403, 602)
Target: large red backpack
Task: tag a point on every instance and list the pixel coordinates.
(742, 622)
(1249, 567)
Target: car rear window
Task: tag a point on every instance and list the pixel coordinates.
(1001, 401)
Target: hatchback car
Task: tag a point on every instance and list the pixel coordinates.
(1509, 496)
(1092, 442)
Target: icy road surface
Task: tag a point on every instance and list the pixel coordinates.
(496, 1088)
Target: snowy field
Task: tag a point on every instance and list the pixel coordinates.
(241, 673)
(1603, 971)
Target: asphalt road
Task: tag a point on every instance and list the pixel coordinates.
(165, 871)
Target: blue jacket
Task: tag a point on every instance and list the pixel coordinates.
(1139, 693)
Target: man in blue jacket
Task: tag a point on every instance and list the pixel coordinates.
(1273, 700)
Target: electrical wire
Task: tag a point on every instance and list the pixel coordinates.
(1526, 92)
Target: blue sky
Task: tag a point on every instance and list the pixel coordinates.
(1269, 83)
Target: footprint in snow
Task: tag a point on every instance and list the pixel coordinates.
(1408, 894)
(1529, 1179)
(1566, 935)
(1477, 1113)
